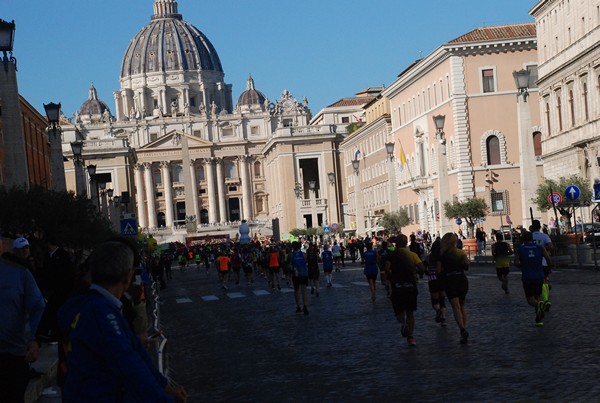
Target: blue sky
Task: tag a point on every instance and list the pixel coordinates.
(322, 49)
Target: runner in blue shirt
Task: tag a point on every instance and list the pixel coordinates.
(299, 276)
(327, 258)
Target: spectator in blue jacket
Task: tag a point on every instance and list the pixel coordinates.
(106, 361)
(21, 303)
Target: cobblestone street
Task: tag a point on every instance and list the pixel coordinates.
(248, 344)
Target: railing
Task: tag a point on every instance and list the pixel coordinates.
(159, 345)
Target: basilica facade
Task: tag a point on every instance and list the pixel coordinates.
(180, 153)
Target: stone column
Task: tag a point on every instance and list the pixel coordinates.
(150, 200)
(527, 161)
(247, 213)
(125, 103)
(210, 181)
(139, 191)
(194, 190)
(163, 99)
(167, 188)
(221, 190)
(443, 185)
(360, 214)
(118, 105)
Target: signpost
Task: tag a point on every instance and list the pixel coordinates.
(554, 198)
(128, 225)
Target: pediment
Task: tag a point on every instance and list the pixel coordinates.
(172, 140)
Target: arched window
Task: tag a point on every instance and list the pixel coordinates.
(178, 174)
(537, 144)
(257, 169)
(493, 150)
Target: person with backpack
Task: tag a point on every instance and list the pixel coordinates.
(370, 271)
(501, 251)
(327, 259)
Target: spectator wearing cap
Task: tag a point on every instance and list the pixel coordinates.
(21, 308)
(21, 254)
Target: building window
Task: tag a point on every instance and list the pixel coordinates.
(492, 145)
(548, 118)
(345, 119)
(178, 173)
(537, 144)
(157, 177)
(441, 91)
(487, 80)
(287, 122)
(257, 169)
(192, 101)
(254, 130)
(572, 107)
(200, 173)
(153, 136)
(230, 170)
(559, 112)
(584, 94)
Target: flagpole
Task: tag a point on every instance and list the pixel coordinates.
(406, 161)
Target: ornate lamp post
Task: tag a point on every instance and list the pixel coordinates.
(94, 195)
(443, 185)
(389, 147)
(77, 148)
(360, 219)
(312, 185)
(57, 166)
(333, 198)
(527, 160)
(15, 156)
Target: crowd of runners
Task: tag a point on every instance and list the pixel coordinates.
(396, 262)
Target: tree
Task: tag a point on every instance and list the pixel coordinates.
(564, 208)
(470, 210)
(394, 221)
(73, 221)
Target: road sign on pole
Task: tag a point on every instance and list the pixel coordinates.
(556, 197)
(128, 227)
(572, 192)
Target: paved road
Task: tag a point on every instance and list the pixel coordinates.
(239, 346)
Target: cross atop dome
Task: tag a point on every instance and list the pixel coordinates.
(165, 9)
(250, 83)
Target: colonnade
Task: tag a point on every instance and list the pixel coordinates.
(214, 183)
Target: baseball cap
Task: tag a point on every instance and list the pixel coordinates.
(20, 243)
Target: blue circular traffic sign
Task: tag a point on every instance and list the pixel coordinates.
(572, 192)
(458, 221)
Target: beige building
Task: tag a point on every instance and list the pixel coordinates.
(370, 169)
(468, 80)
(192, 160)
(568, 35)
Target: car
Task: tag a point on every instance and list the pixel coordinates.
(589, 232)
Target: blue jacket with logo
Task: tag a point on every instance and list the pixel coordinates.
(106, 360)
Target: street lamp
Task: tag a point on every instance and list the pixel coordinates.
(443, 185)
(527, 160)
(7, 39)
(356, 165)
(312, 185)
(522, 81)
(53, 115)
(389, 147)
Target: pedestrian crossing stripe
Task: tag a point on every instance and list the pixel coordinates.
(235, 295)
(210, 298)
(183, 300)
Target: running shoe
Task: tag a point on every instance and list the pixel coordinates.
(540, 323)
(464, 336)
(411, 341)
(403, 326)
(539, 311)
(312, 290)
(317, 293)
(438, 316)
(547, 306)
(443, 322)
(305, 309)
(298, 310)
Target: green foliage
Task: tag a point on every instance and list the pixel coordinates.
(549, 185)
(352, 127)
(297, 232)
(73, 221)
(469, 210)
(394, 221)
